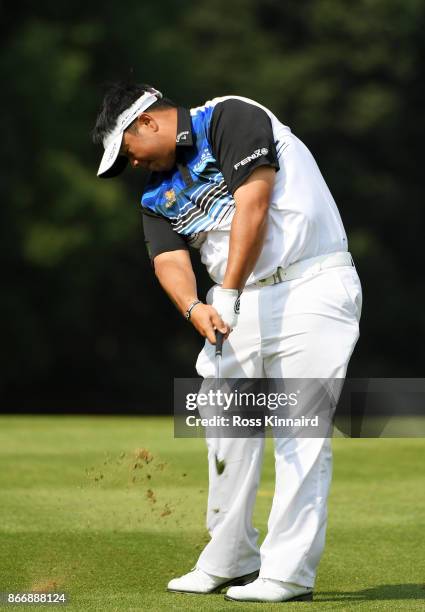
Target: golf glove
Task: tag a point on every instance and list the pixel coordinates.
(226, 303)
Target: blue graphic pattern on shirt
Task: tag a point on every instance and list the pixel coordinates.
(202, 206)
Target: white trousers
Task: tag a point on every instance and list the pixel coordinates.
(305, 328)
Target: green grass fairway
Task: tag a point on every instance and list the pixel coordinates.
(109, 509)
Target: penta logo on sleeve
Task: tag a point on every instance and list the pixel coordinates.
(257, 153)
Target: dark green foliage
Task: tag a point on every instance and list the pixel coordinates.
(84, 323)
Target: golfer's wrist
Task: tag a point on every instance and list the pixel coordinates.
(190, 307)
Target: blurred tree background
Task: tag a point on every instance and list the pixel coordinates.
(84, 324)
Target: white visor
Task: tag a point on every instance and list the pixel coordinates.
(112, 163)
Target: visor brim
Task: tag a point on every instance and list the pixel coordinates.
(112, 162)
(117, 167)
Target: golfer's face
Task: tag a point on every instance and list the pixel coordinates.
(148, 147)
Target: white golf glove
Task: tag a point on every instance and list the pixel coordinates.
(226, 303)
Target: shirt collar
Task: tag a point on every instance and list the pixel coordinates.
(184, 136)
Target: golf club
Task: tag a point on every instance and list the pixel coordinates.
(219, 337)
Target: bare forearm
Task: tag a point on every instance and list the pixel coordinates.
(177, 279)
(175, 273)
(248, 226)
(246, 241)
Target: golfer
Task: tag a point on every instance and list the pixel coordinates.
(230, 179)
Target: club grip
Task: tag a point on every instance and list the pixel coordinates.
(219, 337)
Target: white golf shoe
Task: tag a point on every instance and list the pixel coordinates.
(268, 590)
(198, 581)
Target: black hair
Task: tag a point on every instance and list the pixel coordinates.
(119, 96)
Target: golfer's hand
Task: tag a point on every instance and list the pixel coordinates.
(205, 319)
(226, 302)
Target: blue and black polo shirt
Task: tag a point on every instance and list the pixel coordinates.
(217, 147)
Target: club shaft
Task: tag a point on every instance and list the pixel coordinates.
(219, 337)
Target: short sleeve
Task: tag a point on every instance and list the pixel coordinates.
(242, 139)
(159, 235)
